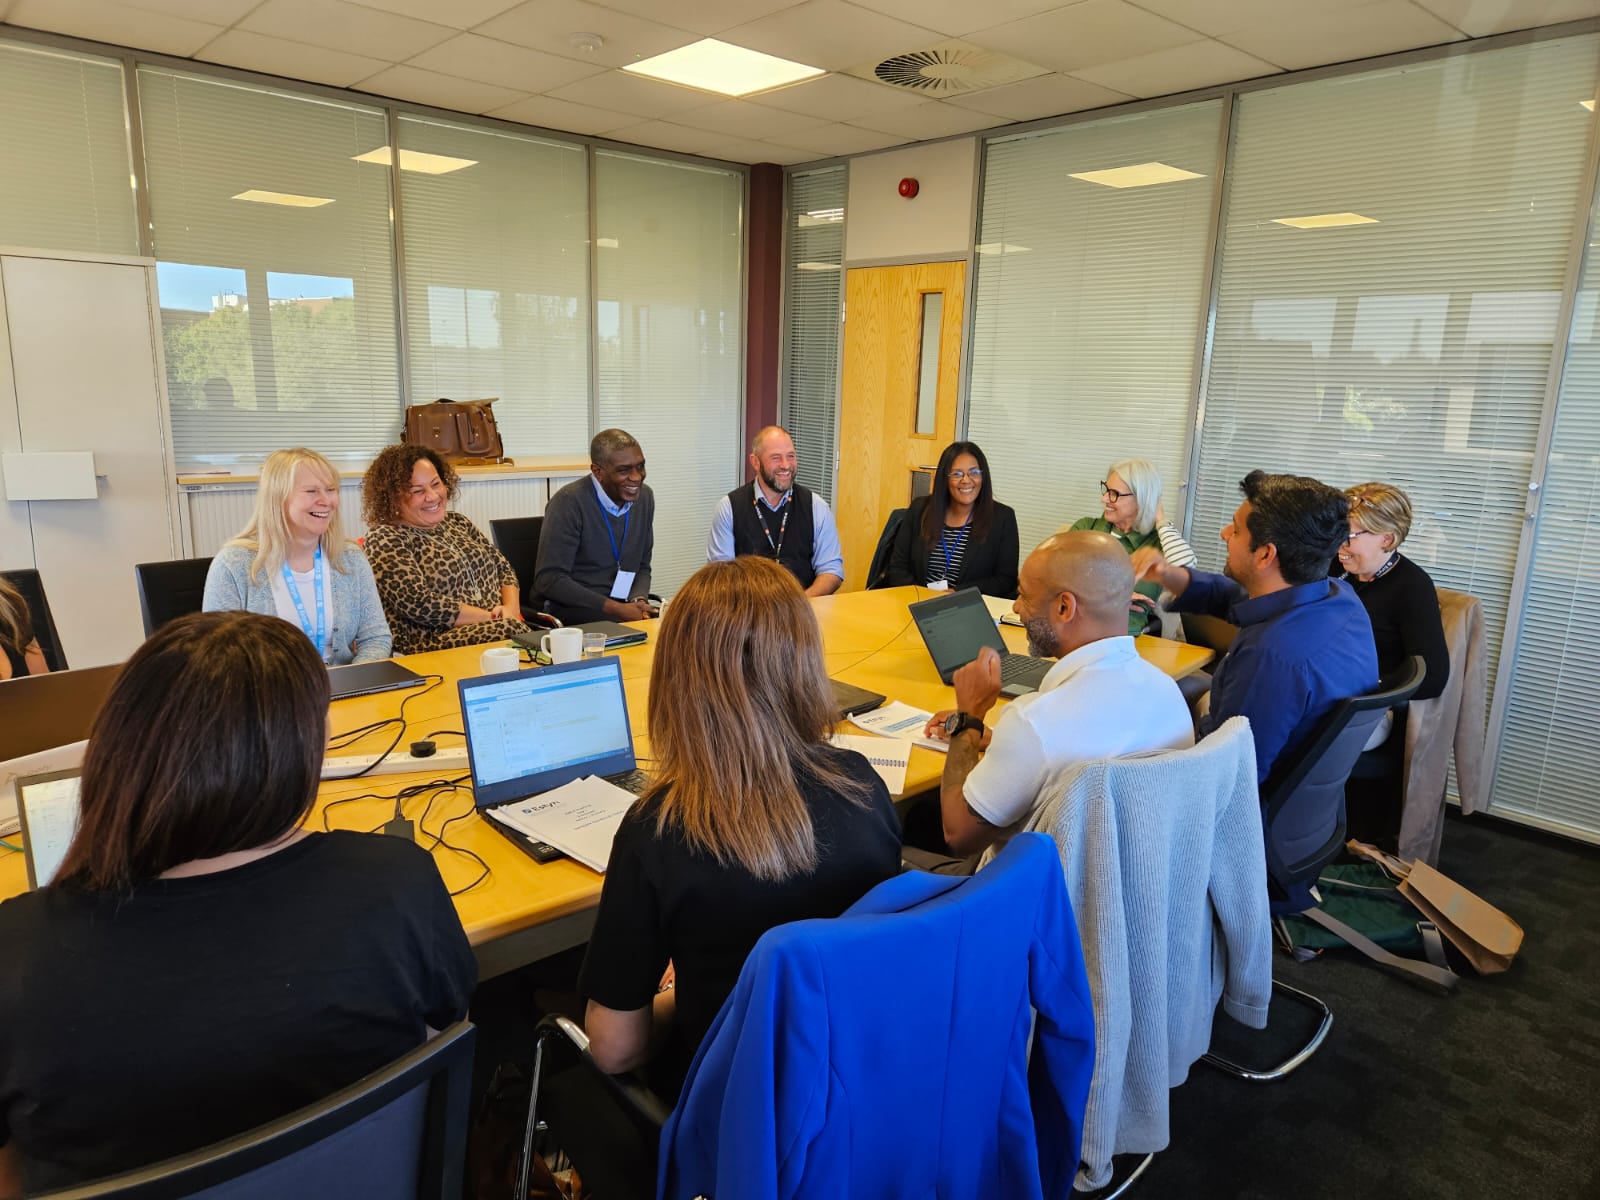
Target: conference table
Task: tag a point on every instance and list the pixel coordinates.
(515, 910)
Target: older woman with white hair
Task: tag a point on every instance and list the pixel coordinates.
(1130, 497)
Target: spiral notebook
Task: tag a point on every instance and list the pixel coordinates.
(889, 757)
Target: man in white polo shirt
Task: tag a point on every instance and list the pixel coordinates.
(1100, 700)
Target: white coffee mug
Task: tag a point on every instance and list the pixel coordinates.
(563, 645)
(496, 660)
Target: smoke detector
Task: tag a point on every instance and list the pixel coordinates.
(951, 68)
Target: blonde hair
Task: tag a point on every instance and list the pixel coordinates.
(16, 626)
(1381, 508)
(740, 711)
(267, 534)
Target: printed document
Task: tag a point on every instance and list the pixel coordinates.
(889, 757)
(896, 719)
(579, 819)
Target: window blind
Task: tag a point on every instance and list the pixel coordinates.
(496, 229)
(64, 156)
(1412, 347)
(669, 328)
(276, 269)
(812, 270)
(1090, 297)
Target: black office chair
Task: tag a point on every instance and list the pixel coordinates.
(518, 539)
(877, 572)
(28, 582)
(398, 1134)
(170, 589)
(1302, 803)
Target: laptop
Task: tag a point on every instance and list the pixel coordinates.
(44, 711)
(616, 634)
(533, 730)
(366, 679)
(48, 806)
(956, 625)
(848, 699)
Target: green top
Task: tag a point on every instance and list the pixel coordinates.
(1131, 541)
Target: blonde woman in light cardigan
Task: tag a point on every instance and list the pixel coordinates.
(292, 561)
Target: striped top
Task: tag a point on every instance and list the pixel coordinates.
(945, 555)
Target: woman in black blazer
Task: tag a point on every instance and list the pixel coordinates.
(959, 536)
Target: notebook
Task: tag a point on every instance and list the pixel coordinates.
(364, 679)
(532, 731)
(956, 625)
(48, 806)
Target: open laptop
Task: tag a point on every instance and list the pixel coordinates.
(366, 679)
(48, 806)
(44, 711)
(956, 625)
(533, 730)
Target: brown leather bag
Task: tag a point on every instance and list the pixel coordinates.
(461, 431)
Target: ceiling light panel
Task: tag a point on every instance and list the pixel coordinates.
(287, 199)
(419, 161)
(1325, 220)
(713, 66)
(1138, 175)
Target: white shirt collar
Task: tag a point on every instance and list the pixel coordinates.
(606, 502)
(1105, 651)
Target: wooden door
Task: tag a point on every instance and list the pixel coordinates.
(896, 350)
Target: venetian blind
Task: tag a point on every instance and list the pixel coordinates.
(497, 279)
(1090, 298)
(64, 156)
(1392, 256)
(669, 329)
(276, 269)
(813, 254)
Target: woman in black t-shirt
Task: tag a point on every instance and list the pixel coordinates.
(201, 964)
(752, 819)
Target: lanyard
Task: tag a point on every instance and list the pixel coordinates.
(605, 519)
(320, 637)
(783, 525)
(944, 546)
(1387, 567)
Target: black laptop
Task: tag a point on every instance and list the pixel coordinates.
(956, 625)
(364, 679)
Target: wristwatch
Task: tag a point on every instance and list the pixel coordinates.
(958, 722)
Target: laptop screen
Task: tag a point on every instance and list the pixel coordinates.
(533, 730)
(955, 627)
(48, 805)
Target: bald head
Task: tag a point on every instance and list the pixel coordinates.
(1093, 567)
(778, 433)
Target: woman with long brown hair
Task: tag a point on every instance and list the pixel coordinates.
(752, 819)
(201, 963)
(21, 654)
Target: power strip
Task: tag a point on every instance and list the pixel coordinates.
(442, 762)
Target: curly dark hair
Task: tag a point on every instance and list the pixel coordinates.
(390, 475)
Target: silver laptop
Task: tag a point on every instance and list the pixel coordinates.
(956, 625)
(48, 806)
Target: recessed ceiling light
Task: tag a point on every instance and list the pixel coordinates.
(1325, 220)
(816, 266)
(1589, 104)
(1000, 248)
(714, 66)
(1137, 175)
(819, 216)
(419, 161)
(607, 243)
(257, 196)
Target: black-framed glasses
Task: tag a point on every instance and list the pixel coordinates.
(1107, 490)
(1354, 534)
(976, 475)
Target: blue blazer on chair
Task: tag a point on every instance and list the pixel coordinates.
(885, 1053)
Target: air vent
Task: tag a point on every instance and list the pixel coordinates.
(951, 68)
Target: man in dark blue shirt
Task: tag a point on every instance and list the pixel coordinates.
(1304, 640)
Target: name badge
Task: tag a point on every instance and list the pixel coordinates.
(939, 585)
(622, 589)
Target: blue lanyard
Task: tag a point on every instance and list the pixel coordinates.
(605, 519)
(320, 637)
(944, 546)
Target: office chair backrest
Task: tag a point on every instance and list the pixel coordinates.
(170, 589)
(1302, 800)
(399, 1134)
(27, 582)
(880, 556)
(518, 539)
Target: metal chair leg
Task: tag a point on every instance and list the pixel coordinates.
(1122, 1188)
(1293, 1062)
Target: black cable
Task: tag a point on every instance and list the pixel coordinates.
(344, 740)
(440, 840)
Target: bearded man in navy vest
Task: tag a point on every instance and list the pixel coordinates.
(775, 517)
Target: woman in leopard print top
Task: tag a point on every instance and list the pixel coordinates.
(443, 584)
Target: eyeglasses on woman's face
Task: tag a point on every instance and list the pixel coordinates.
(1107, 490)
(975, 474)
(1356, 533)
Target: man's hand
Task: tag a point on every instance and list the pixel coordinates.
(935, 729)
(1150, 563)
(629, 610)
(978, 683)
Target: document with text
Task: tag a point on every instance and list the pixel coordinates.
(579, 819)
(896, 719)
(889, 757)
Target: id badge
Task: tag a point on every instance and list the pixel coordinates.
(939, 585)
(622, 589)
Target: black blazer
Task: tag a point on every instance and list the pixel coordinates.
(990, 564)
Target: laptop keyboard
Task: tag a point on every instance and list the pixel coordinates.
(1017, 668)
(630, 781)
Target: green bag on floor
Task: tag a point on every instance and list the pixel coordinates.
(1364, 897)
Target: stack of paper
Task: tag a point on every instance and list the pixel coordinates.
(889, 757)
(579, 819)
(896, 719)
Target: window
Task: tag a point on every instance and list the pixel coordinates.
(813, 266)
(276, 269)
(496, 229)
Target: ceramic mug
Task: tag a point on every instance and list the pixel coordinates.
(497, 660)
(563, 645)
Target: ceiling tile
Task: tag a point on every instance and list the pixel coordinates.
(103, 21)
(469, 56)
(274, 56)
(744, 150)
(1212, 17)
(700, 16)
(741, 119)
(957, 18)
(1179, 69)
(830, 141)
(831, 34)
(212, 12)
(550, 113)
(620, 91)
(786, 156)
(441, 91)
(460, 14)
(837, 98)
(548, 25)
(1335, 37)
(1045, 96)
(1086, 34)
(666, 136)
(931, 119)
(339, 25)
(1479, 18)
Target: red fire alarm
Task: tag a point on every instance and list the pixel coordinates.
(909, 188)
